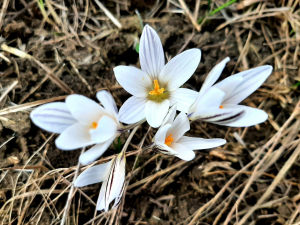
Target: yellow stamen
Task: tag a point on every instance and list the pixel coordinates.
(156, 90)
(94, 125)
(221, 107)
(169, 140)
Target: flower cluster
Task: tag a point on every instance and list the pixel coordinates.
(156, 95)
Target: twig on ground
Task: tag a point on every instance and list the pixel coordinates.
(108, 14)
(189, 14)
(70, 196)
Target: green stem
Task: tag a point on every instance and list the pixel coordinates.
(222, 7)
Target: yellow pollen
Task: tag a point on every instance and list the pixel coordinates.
(94, 125)
(169, 140)
(221, 107)
(156, 90)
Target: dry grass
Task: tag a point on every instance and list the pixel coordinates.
(33, 191)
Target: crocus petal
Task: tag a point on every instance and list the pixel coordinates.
(119, 179)
(183, 152)
(212, 99)
(93, 175)
(160, 135)
(151, 53)
(53, 117)
(95, 152)
(101, 198)
(133, 80)
(75, 136)
(108, 102)
(156, 112)
(120, 193)
(218, 116)
(228, 85)
(110, 188)
(85, 110)
(184, 98)
(106, 129)
(179, 69)
(164, 149)
(115, 179)
(170, 116)
(252, 79)
(213, 76)
(180, 125)
(133, 110)
(252, 116)
(200, 143)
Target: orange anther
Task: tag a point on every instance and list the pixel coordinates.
(169, 140)
(221, 107)
(94, 125)
(156, 90)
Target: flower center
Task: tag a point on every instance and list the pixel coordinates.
(94, 125)
(156, 90)
(169, 140)
(221, 107)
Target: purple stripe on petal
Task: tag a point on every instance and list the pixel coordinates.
(55, 110)
(54, 116)
(234, 117)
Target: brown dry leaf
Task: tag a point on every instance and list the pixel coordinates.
(18, 122)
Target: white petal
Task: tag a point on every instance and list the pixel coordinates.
(180, 125)
(101, 198)
(183, 152)
(170, 116)
(108, 102)
(212, 77)
(212, 99)
(83, 109)
(95, 152)
(164, 149)
(252, 79)
(133, 110)
(179, 69)
(218, 116)
(106, 129)
(228, 85)
(75, 136)
(200, 143)
(53, 117)
(120, 192)
(160, 135)
(119, 180)
(117, 171)
(252, 116)
(93, 175)
(151, 53)
(156, 112)
(184, 98)
(133, 80)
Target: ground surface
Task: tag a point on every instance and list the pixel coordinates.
(253, 179)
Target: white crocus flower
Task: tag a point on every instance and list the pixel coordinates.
(112, 174)
(218, 103)
(169, 138)
(156, 87)
(81, 122)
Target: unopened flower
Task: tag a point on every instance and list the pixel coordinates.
(112, 174)
(169, 138)
(218, 103)
(156, 87)
(81, 122)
